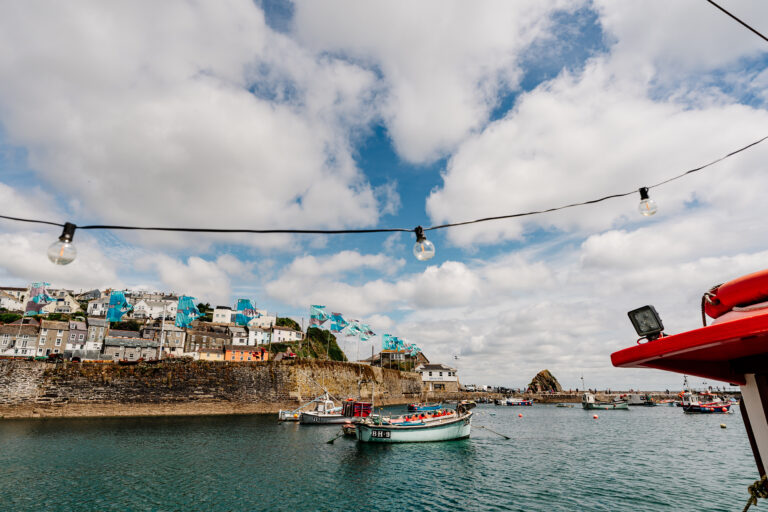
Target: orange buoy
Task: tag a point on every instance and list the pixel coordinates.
(520, 415)
(595, 416)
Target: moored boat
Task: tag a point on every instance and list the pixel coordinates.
(512, 401)
(326, 413)
(705, 403)
(442, 425)
(588, 401)
(424, 407)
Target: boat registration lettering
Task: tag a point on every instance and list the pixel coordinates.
(381, 434)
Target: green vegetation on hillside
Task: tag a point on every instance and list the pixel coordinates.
(7, 318)
(288, 322)
(319, 344)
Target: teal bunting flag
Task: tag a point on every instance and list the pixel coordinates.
(317, 315)
(186, 311)
(338, 323)
(245, 312)
(118, 306)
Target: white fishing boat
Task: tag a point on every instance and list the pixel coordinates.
(327, 413)
(443, 425)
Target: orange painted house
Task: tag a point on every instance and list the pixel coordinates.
(245, 353)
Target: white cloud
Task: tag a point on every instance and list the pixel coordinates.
(151, 103)
(581, 138)
(205, 280)
(24, 259)
(442, 63)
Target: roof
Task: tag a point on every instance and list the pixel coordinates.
(52, 324)
(13, 288)
(97, 322)
(77, 325)
(284, 328)
(237, 329)
(14, 329)
(434, 367)
(722, 351)
(116, 333)
(26, 320)
(244, 348)
(211, 350)
(129, 342)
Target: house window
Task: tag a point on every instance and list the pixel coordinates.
(24, 344)
(441, 374)
(59, 332)
(72, 337)
(80, 337)
(430, 374)
(25, 337)
(58, 342)
(233, 357)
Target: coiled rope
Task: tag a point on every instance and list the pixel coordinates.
(756, 490)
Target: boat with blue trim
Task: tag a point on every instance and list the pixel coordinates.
(424, 407)
(441, 425)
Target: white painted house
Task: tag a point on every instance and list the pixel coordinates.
(98, 307)
(438, 377)
(259, 336)
(285, 335)
(239, 335)
(10, 302)
(148, 308)
(265, 321)
(222, 315)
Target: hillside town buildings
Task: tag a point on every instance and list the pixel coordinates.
(81, 332)
(89, 336)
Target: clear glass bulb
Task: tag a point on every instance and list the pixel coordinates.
(424, 250)
(62, 253)
(648, 207)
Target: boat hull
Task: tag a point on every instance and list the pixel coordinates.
(451, 430)
(707, 409)
(313, 418)
(607, 407)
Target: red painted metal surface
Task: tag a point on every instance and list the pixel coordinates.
(706, 352)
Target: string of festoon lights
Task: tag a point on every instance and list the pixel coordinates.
(63, 251)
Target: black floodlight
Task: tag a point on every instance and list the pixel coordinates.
(646, 322)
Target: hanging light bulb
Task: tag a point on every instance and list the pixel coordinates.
(423, 249)
(62, 251)
(647, 205)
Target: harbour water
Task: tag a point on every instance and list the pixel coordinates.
(558, 459)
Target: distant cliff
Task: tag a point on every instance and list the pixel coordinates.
(35, 388)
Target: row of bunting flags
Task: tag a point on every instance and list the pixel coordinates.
(318, 316)
(187, 312)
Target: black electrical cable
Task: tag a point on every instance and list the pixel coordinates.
(740, 21)
(386, 230)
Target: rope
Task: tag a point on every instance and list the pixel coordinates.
(707, 299)
(756, 490)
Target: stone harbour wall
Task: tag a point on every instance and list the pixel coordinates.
(42, 389)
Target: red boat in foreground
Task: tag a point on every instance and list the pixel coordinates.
(733, 349)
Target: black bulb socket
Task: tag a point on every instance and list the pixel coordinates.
(419, 234)
(68, 232)
(643, 193)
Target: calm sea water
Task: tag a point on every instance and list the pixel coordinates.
(559, 459)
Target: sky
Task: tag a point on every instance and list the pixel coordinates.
(357, 114)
